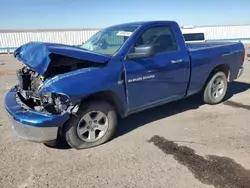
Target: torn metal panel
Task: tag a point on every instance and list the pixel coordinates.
(36, 55)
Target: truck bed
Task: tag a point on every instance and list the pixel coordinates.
(204, 45)
(207, 55)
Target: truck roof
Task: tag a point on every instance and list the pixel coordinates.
(143, 23)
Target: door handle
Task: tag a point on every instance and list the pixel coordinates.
(176, 61)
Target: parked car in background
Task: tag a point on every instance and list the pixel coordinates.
(193, 34)
(78, 93)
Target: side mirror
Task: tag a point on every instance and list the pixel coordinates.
(142, 52)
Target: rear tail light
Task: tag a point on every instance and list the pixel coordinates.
(244, 55)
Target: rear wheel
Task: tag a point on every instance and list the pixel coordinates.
(94, 124)
(216, 88)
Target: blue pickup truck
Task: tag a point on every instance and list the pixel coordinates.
(79, 92)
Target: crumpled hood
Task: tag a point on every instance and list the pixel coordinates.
(36, 54)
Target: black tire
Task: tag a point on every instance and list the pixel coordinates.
(70, 129)
(207, 94)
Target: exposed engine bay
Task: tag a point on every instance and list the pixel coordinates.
(30, 82)
(63, 64)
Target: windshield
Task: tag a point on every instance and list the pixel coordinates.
(109, 40)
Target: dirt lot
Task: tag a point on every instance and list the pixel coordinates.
(183, 144)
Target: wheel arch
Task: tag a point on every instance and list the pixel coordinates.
(108, 96)
(223, 68)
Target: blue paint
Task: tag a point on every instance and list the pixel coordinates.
(205, 56)
(31, 117)
(243, 40)
(167, 81)
(36, 54)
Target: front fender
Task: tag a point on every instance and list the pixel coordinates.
(83, 82)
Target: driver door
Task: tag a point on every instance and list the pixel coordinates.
(160, 78)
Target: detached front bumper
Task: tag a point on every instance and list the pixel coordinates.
(32, 125)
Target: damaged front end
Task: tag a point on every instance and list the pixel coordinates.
(29, 84)
(39, 105)
(43, 62)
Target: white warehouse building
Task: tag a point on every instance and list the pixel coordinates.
(11, 39)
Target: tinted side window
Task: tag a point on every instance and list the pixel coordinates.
(194, 36)
(162, 37)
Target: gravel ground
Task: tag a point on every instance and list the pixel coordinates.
(183, 144)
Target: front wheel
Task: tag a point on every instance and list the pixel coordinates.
(94, 124)
(215, 89)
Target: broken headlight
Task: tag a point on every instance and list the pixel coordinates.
(54, 103)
